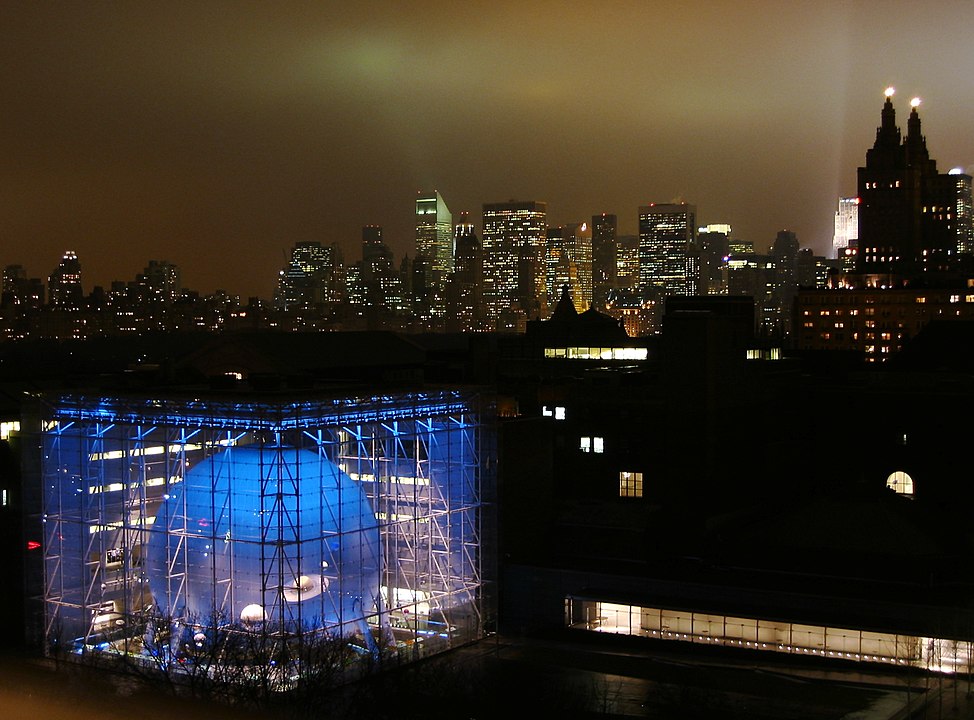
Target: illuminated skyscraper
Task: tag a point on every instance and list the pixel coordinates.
(513, 231)
(666, 232)
(434, 237)
(307, 278)
(627, 262)
(846, 226)
(64, 284)
(569, 263)
(963, 211)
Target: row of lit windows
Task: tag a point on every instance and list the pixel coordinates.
(597, 353)
(875, 186)
(763, 354)
(939, 654)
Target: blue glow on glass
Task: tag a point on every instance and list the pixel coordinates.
(271, 533)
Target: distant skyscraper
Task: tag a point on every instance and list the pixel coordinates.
(434, 236)
(724, 228)
(559, 271)
(784, 254)
(605, 258)
(691, 269)
(64, 284)
(19, 290)
(372, 245)
(512, 231)
(306, 279)
(13, 278)
(465, 286)
(714, 244)
(530, 299)
(627, 262)
(963, 212)
(666, 232)
(569, 263)
(375, 281)
(161, 282)
(846, 232)
(740, 247)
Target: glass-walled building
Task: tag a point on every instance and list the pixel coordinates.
(172, 524)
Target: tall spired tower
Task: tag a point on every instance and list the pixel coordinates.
(908, 212)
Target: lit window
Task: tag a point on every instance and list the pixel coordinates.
(900, 483)
(546, 411)
(585, 444)
(559, 412)
(631, 484)
(598, 444)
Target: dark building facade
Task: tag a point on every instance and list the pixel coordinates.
(912, 218)
(703, 495)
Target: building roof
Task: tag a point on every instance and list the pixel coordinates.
(568, 328)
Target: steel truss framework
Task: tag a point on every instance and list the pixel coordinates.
(117, 472)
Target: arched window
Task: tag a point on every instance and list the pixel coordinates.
(900, 483)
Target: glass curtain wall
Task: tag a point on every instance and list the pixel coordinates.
(169, 525)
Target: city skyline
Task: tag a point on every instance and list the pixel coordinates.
(218, 136)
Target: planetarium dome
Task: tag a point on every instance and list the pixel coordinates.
(266, 534)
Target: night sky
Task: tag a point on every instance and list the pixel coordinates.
(215, 135)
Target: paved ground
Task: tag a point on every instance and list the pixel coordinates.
(505, 677)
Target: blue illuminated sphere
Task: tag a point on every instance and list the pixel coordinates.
(258, 534)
